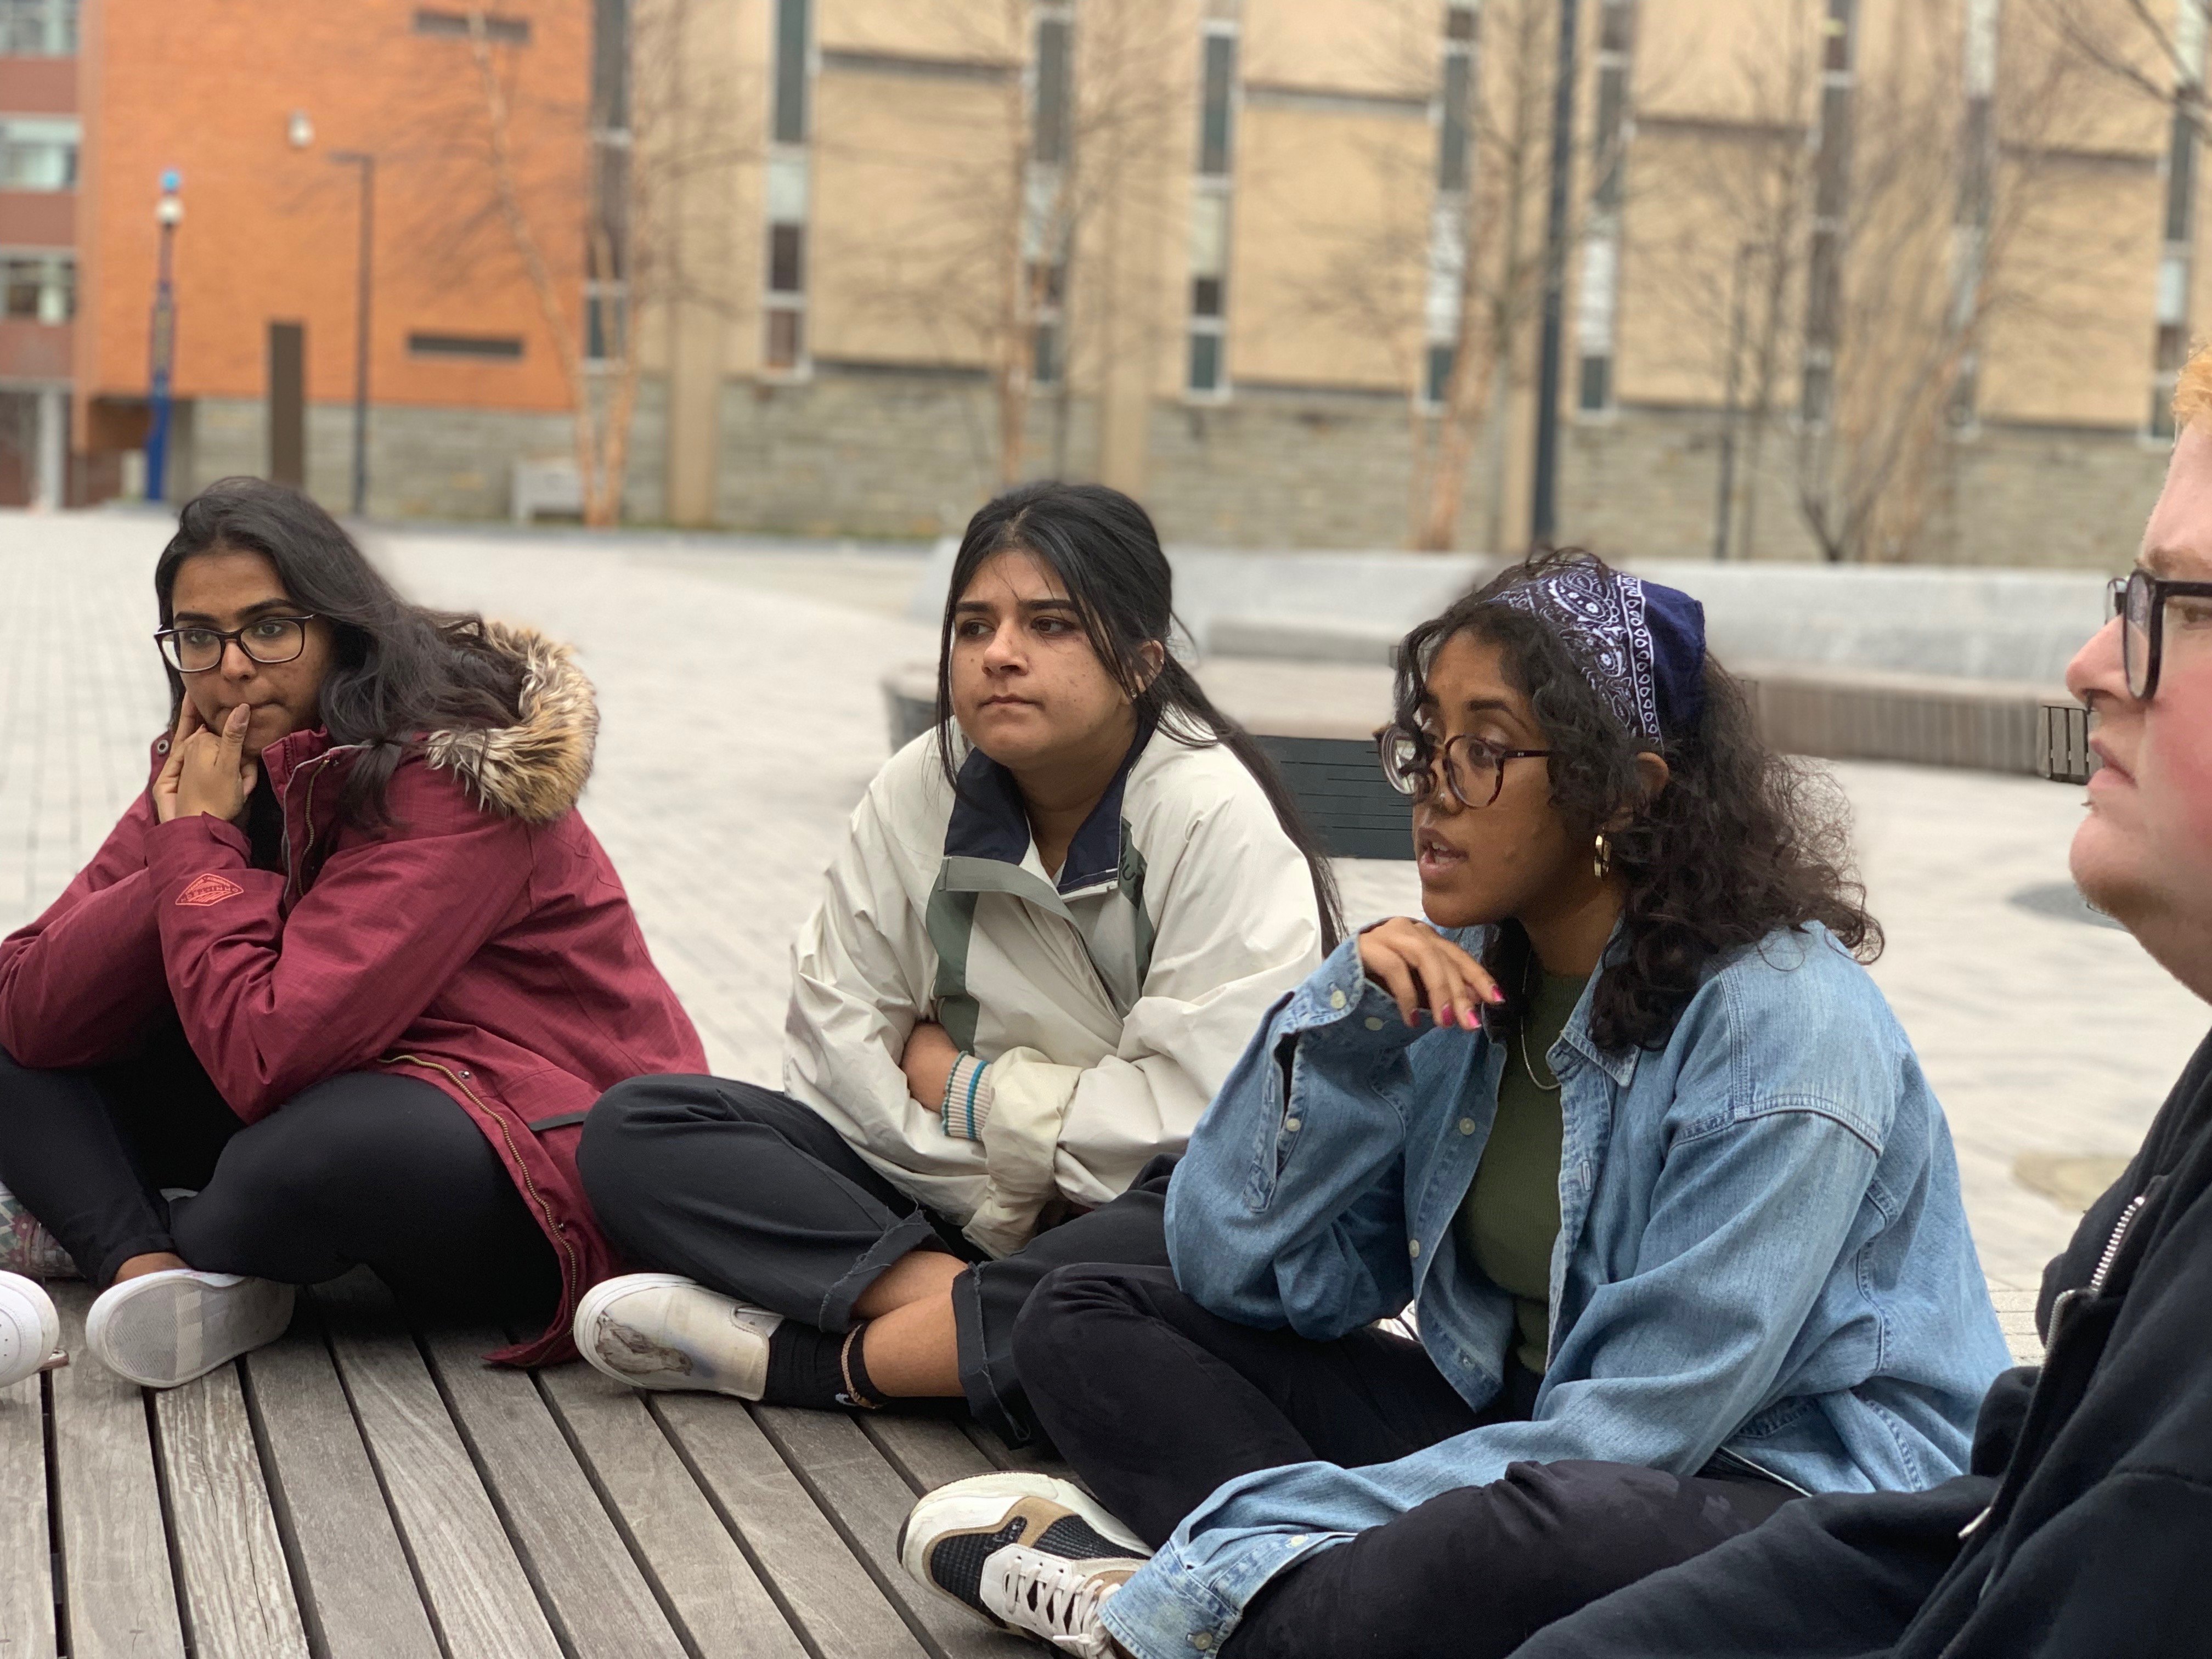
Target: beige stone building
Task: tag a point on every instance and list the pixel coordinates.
(1859, 279)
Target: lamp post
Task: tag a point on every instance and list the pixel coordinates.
(367, 163)
(168, 213)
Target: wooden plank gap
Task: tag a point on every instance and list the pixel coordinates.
(546, 1605)
(169, 1523)
(925, 1452)
(646, 1571)
(783, 1604)
(57, 1556)
(384, 1491)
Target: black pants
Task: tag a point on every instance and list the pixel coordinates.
(364, 1169)
(750, 1193)
(1157, 1402)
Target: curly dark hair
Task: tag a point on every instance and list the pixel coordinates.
(1742, 841)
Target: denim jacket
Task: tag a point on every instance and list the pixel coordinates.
(1763, 1256)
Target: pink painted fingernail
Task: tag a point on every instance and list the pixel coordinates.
(1497, 995)
(1446, 1015)
(1470, 1019)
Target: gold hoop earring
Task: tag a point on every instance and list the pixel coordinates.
(1601, 856)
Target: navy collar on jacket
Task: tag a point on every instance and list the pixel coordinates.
(989, 821)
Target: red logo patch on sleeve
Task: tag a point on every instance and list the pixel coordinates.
(209, 888)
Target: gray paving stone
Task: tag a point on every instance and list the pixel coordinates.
(741, 721)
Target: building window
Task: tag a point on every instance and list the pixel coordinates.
(506, 31)
(1831, 184)
(496, 348)
(783, 332)
(791, 42)
(39, 152)
(1052, 119)
(38, 28)
(1217, 84)
(607, 242)
(1449, 220)
(37, 287)
(1598, 296)
(1206, 373)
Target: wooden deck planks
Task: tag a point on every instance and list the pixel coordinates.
(358, 1597)
(121, 1595)
(239, 1600)
(26, 1581)
(868, 1500)
(719, 1601)
(580, 1564)
(827, 1592)
(479, 1597)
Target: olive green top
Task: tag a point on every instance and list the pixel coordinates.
(1509, 1219)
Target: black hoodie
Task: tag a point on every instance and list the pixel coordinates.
(2085, 1525)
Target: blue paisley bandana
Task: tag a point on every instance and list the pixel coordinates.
(1641, 646)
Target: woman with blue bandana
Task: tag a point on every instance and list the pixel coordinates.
(1627, 1125)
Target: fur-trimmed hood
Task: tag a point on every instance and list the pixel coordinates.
(536, 769)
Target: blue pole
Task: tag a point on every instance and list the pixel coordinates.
(164, 343)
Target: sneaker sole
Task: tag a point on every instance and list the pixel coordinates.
(584, 1331)
(981, 1502)
(205, 1326)
(30, 1330)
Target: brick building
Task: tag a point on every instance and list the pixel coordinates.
(39, 132)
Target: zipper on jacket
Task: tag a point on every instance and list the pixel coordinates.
(2061, 1310)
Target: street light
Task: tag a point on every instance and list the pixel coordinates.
(299, 133)
(168, 213)
(367, 163)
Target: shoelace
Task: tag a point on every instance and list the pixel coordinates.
(1063, 1597)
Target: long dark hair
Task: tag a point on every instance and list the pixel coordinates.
(1103, 547)
(396, 670)
(1741, 843)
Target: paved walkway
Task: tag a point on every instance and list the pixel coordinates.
(742, 719)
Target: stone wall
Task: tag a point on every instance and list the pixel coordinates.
(423, 462)
(866, 450)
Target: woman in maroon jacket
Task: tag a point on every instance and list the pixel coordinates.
(342, 984)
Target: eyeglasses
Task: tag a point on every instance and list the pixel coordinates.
(2140, 601)
(267, 640)
(1473, 767)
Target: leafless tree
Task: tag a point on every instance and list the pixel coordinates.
(995, 232)
(659, 135)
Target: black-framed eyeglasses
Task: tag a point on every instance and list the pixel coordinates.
(1473, 767)
(2139, 601)
(267, 640)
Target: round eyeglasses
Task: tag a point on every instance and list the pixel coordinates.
(2140, 602)
(1473, 767)
(266, 640)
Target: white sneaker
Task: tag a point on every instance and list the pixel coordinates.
(26, 1246)
(665, 1331)
(1029, 1553)
(163, 1328)
(30, 1330)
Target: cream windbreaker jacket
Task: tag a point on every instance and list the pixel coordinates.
(1105, 1007)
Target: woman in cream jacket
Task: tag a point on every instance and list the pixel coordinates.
(1053, 925)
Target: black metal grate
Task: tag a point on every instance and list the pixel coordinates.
(1339, 787)
(2064, 754)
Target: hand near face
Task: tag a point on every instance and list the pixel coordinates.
(927, 1063)
(172, 768)
(1423, 971)
(214, 773)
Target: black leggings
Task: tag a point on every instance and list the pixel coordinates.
(1190, 1400)
(755, 1195)
(366, 1167)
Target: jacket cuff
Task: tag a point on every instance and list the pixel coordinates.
(1339, 1000)
(185, 848)
(968, 1099)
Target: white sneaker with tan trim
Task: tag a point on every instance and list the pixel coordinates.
(1028, 1552)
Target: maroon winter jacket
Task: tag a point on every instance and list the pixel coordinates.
(481, 942)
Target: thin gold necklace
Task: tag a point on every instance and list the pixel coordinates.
(1551, 1088)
